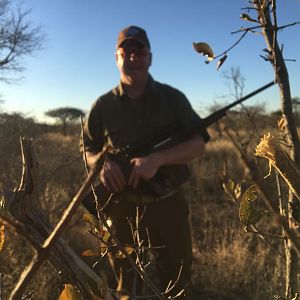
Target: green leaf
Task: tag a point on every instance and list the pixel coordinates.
(204, 49)
(248, 213)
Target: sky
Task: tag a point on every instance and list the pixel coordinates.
(77, 63)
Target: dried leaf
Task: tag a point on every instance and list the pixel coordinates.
(91, 219)
(221, 61)
(232, 190)
(2, 237)
(204, 49)
(106, 235)
(2, 203)
(70, 292)
(91, 253)
(238, 191)
(121, 255)
(247, 18)
(282, 124)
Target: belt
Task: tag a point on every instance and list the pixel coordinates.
(137, 198)
(131, 197)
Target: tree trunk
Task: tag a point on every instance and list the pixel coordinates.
(269, 31)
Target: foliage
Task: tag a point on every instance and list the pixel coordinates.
(249, 214)
(65, 115)
(219, 242)
(18, 38)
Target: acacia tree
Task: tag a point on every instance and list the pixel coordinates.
(65, 116)
(18, 38)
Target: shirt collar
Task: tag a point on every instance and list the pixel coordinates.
(119, 89)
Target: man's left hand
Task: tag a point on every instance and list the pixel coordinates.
(143, 168)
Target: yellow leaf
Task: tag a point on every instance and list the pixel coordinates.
(231, 185)
(105, 236)
(238, 190)
(91, 219)
(2, 237)
(282, 123)
(121, 255)
(70, 292)
(205, 50)
(231, 189)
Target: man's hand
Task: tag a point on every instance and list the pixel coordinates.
(112, 177)
(143, 168)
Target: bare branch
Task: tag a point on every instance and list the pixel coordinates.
(18, 38)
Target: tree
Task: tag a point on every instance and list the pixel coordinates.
(18, 38)
(65, 115)
(264, 18)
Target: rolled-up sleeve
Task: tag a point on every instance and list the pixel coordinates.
(187, 116)
(93, 138)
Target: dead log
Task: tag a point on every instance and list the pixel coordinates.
(23, 205)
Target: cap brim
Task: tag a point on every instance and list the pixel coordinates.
(132, 38)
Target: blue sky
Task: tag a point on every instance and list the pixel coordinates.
(77, 63)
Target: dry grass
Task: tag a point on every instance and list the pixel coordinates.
(228, 263)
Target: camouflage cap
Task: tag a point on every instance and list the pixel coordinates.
(133, 33)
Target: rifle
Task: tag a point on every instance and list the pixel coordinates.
(170, 135)
(159, 186)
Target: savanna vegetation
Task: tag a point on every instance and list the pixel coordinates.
(228, 262)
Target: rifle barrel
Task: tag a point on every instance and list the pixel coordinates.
(222, 112)
(251, 94)
(172, 133)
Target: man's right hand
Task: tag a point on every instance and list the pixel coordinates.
(112, 177)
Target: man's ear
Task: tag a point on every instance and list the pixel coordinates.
(116, 58)
(150, 59)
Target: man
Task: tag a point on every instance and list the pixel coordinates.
(140, 107)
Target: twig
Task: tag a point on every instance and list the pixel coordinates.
(171, 284)
(267, 234)
(288, 25)
(231, 47)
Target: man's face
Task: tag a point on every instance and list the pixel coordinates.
(133, 59)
